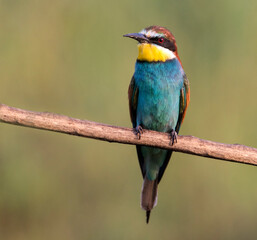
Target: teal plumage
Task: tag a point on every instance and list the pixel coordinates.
(159, 87)
(158, 97)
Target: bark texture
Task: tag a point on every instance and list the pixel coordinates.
(185, 144)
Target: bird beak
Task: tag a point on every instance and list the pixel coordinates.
(141, 38)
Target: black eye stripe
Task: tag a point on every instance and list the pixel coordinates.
(166, 43)
(157, 38)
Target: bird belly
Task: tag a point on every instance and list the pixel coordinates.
(158, 109)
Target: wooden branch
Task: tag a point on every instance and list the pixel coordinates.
(186, 144)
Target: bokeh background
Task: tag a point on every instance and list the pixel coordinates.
(69, 57)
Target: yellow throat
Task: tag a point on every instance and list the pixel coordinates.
(153, 53)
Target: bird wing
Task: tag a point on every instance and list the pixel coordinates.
(184, 101)
(133, 96)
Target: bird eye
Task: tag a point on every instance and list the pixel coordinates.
(161, 40)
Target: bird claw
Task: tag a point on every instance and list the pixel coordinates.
(173, 137)
(139, 131)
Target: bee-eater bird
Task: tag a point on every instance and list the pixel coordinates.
(158, 98)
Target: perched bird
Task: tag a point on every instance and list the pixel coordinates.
(158, 99)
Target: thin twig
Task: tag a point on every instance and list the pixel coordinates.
(186, 144)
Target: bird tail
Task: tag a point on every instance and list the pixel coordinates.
(149, 196)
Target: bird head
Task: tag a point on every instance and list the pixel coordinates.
(155, 44)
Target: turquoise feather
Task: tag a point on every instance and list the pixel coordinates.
(159, 85)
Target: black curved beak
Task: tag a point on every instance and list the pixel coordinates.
(141, 38)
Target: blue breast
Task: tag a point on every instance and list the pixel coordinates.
(159, 85)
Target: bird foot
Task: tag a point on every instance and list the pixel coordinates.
(173, 137)
(139, 131)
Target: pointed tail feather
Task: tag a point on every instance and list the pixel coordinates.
(148, 216)
(149, 196)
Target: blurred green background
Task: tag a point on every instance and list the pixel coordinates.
(69, 57)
